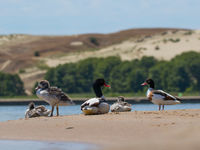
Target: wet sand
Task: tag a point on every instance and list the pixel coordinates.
(171, 129)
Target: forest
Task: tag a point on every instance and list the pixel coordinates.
(11, 85)
(181, 74)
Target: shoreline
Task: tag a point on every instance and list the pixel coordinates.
(176, 129)
(22, 101)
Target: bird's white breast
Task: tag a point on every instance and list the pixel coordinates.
(44, 95)
(149, 92)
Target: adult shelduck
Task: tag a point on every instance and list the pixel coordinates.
(36, 111)
(120, 105)
(52, 95)
(96, 105)
(159, 97)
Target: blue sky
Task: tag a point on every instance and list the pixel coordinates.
(66, 17)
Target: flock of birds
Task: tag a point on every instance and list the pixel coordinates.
(98, 105)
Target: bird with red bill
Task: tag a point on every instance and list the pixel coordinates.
(106, 85)
(97, 105)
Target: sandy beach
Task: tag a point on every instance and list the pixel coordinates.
(171, 129)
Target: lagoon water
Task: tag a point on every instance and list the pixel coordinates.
(15, 112)
(39, 145)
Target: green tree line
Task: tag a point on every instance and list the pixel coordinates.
(11, 85)
(181, 74)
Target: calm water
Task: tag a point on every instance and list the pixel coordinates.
(38, 145)
(17, 112)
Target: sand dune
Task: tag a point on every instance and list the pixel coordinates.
(163, 46)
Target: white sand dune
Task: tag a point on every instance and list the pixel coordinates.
(161, 46)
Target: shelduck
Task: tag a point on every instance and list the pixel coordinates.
(159, 97)
(96, 105)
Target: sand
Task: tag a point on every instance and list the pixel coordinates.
(167, 48)
(171, 129)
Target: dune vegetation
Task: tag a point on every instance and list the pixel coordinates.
(179, 75)
(11, 85)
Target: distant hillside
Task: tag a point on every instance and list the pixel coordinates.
(17, 51)
(31, 55)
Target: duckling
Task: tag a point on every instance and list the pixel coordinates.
(120, 105)
(52, 95)
(38, 111)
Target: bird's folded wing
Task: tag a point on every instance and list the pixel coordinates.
(164, 95)
(58, 93)
(91, 102)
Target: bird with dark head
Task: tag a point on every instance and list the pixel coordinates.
(52, 95)
(97, 87)
(96, 105)
(149, 82)
(159, 97)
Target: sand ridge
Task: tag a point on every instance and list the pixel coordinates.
(175, 129)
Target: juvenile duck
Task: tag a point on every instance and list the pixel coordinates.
(38, 111)
(120, 105)
(52, 95)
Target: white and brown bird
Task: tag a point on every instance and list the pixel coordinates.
(159, 97)
(36, 111)
(120, 105)
(52, 95)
